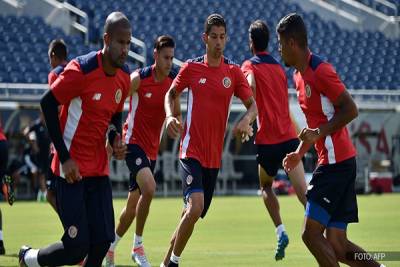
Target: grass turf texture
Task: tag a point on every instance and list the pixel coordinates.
(237, 231)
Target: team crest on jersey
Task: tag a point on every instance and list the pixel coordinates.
(189, 179)
(72, 231)
(308, 90)
(138, 161)
(118, 96)
(226, 82)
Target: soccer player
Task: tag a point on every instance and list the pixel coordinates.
(91, 90)
(6, 184)
(58, 59)
(328, 107)
(211, 80)
(276, 135)
(142, 131)
(39, 153)
(58, 55)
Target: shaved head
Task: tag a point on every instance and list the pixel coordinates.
(116, 20)
(117, 38)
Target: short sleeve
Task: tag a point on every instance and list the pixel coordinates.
(328, 82)
(242, 88)
(181, 81)
(69, 84)
(247, 68)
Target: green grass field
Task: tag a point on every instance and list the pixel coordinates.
(236, 231)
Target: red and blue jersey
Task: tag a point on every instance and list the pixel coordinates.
(273, 120)
(89, 99)
(146, 115)
(54, 73)
(210, 91)
(318, 87)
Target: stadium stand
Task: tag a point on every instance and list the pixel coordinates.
(364, 60)
(381, 7)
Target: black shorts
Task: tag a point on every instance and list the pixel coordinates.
(331, 196)
(196, 178)
(86, 211)
(136, 159)
(3, 158)
(270, 157)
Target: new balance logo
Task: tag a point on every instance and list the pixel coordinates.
(202, 80)
(96, 96)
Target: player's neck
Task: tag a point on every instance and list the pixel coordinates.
(213, 61)
(302, 62)
(158, 75)
(108, 68)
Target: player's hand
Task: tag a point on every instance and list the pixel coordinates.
(243, 130)
(119, 148)
(291, 161)
(71, 171)
(174, 127)
(309, 135)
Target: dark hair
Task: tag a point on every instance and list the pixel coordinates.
(58, 48)
(259, 35)
(214, 20)
(164, 41)
(292, 26)
(114, 20)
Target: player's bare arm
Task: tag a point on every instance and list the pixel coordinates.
(345, 111)
(252, 83)
(172, 108)
(293, 159)
(244, 127)
(135, 83)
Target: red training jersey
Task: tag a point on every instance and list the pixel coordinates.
(210, 91)
(54, 73)
(146, 115)
(273, 120)
(317, 88)
(89, 99)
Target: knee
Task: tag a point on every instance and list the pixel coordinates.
(148, 190)
(266, 188)
(193, 213)
(308, 236)
(339, 247)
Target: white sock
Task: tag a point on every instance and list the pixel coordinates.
(382, 265)
(162, 264)
(174, 258)
(115, 243)
(279, 230)
(137, 241)
(1, 234)
(31, 258)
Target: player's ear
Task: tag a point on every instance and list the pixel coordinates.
(106, 38)
(205, 37)
(291, 42)
(155, 54)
